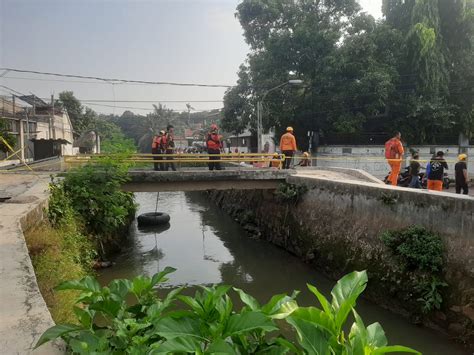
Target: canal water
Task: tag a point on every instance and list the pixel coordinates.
(206, 246)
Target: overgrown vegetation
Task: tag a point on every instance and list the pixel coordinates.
(290, 193)
(420, 252)
(418, 248)
(94, 194)
(209, 323)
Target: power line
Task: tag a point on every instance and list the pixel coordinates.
(112, 80)
(59, 80)
(144, 108)
(152, 101)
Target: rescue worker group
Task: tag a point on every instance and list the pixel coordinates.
(434, 177)
(163, 148)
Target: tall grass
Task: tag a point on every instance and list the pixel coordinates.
(59, 254)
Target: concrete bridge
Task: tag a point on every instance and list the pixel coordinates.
(236, 179)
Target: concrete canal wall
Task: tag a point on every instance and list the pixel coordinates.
(337, 226)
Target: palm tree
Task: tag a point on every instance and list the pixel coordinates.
(155, 122)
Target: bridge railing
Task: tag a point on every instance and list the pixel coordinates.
(183, 159)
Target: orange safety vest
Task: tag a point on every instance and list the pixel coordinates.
(393, 148)
(164, 142)
(156, 142)
(213, 141)
(288, 142)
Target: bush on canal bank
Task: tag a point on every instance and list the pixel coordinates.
(87, 215)
(209, 323)
(95, 195)
(419, 253)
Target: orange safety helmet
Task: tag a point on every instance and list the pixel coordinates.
(214, 127)
(289, 129)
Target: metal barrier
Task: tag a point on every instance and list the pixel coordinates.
(178, 159)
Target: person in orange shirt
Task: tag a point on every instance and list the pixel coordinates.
(394, 153)
(288, 146)
(157, 148)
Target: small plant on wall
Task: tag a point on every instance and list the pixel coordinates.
(420, 253)
(290, 193)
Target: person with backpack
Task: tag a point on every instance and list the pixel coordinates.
(414, 171)
(436, 174)
(394, 153)
(169, 149)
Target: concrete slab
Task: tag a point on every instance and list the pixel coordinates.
(24, 315)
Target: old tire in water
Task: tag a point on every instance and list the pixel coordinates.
(153, 219)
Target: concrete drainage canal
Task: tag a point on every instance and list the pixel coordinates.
(207, 246)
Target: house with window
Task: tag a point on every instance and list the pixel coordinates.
(41, 130)
(246, 142)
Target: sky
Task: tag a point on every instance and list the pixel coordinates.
(188, 41)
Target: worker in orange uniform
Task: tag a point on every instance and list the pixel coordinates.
(157, 149)
(214, 146)
(288, 146)
(394, 153)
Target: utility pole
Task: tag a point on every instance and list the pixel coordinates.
(53, 130)
(259, 126)
(310, 142)
(27, 132)
(294, 82)
(21, 131)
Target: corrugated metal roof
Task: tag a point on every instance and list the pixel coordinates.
(33, 100)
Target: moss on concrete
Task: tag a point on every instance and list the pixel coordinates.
(59, 255)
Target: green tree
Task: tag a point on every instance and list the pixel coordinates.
(112, 138)
(153, 123)
(333, 47)
(81, 121)
(7, 136)
(412, 71)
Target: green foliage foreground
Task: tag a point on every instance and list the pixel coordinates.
(209, 323)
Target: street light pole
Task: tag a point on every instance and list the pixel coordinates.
(260, 110)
